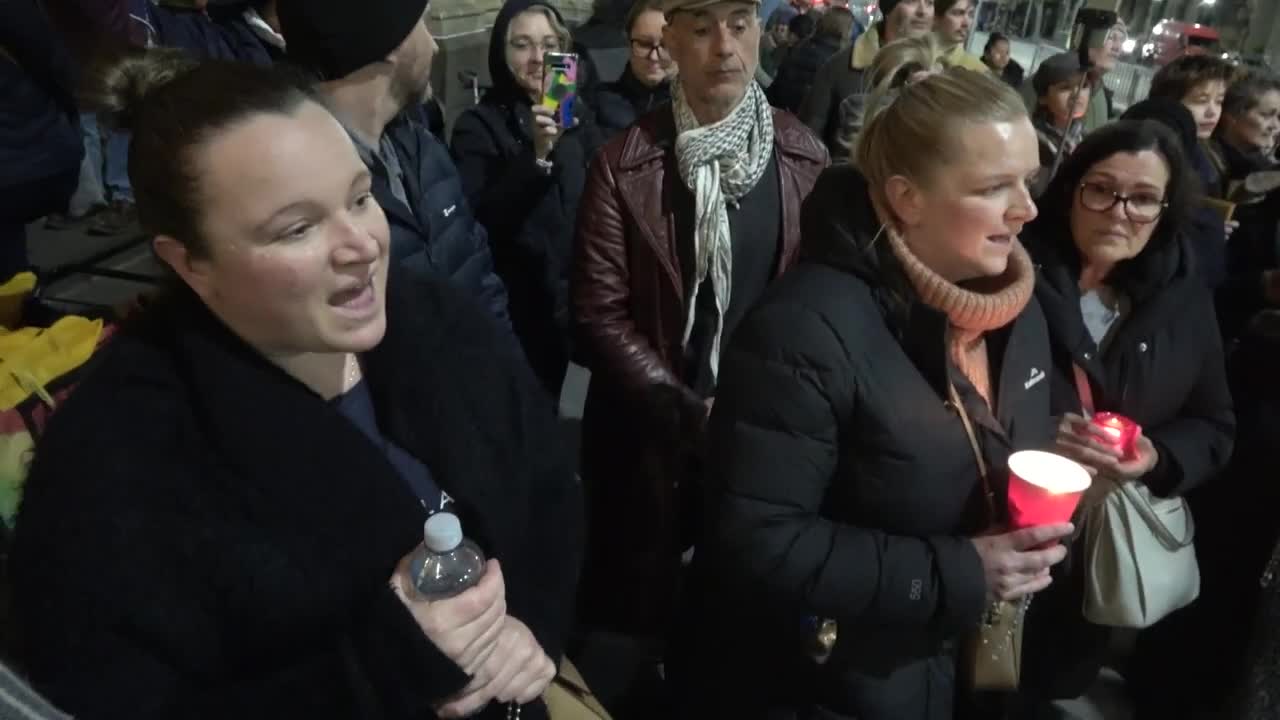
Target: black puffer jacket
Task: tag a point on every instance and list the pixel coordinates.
(435, 235)
(530, 214)
(1164, 369)
(844, 486)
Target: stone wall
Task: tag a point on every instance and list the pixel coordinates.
(461, 28)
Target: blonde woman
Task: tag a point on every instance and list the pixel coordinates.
(844, 484)
(897, 64)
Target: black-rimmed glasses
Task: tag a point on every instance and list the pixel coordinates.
(647, 49)
(1141, 207)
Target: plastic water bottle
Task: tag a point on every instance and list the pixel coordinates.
(447, 563)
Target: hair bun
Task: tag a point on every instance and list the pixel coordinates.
(123, 84)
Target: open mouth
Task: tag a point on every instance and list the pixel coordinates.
(358, 299)
(1000, 239)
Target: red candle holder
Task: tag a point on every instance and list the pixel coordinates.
(1117, 431)
(1044, 488)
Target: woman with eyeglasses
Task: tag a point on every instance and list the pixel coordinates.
(1124, 305)
(646, 81)
(523, 172)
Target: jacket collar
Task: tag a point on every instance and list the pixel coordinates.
(647, 142)
(1059, 294)
(398, 133)
(279, 439)
(925, 335)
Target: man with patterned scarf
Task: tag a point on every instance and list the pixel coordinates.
(686, 218)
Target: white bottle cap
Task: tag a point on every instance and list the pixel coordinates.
(442, 532)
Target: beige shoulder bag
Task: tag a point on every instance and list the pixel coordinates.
(1140, 563)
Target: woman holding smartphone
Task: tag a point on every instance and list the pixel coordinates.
(523, 172)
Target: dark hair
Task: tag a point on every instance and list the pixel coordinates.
(836, 23)
(992, 39)
(1140, 275)
(941, 7)
(1247, 91)
(173, 105)
(638, 8)
(1181, 76)
(802, 26)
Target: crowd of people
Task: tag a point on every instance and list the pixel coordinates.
(827, 281)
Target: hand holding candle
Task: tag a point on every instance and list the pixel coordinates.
(1107, 443)
(1016, 564)
(1117, 431)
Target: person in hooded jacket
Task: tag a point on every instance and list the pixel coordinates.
(845, 482)
(523, 174)
(1124, 304)
(646, 81)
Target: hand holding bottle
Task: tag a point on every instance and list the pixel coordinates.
(464, 627)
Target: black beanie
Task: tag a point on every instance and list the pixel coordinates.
(337, 37)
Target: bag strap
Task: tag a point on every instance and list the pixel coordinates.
(1142, 504)
(1083, 388)
(954, 396)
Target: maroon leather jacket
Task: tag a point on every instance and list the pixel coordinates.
(642, 423)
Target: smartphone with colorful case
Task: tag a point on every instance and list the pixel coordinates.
(562, 88)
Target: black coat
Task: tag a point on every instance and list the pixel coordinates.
(436, 235)
(1163, 368)
(796, 73)
(1254, 248)
(204, 537)
(530, 214)
(620, 104)
(843, 485)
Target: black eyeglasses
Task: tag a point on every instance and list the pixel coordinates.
(1142, 207)
(647, 49)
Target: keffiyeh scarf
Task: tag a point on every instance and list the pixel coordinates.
(720, 163)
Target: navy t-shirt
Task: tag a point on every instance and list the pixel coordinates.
(357, 406)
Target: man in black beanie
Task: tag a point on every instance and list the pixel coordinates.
(372, 60)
